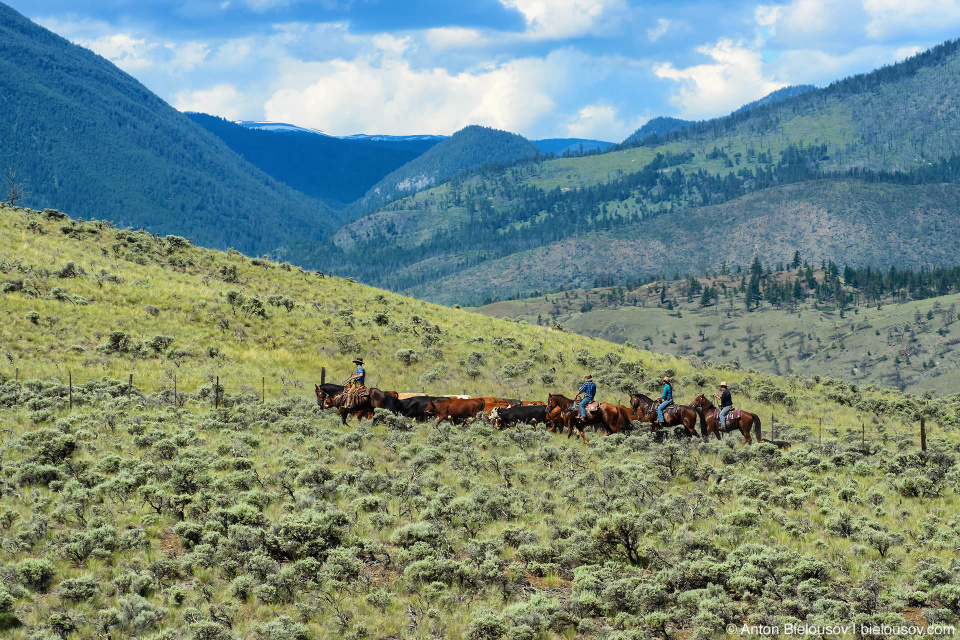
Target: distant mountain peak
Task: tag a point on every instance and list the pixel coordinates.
(281, 127)
(286, 127)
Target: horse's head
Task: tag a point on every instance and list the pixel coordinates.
(700, 401)
(319, 393)
(552, 401)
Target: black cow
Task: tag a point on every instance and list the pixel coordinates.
(509, 416)
(415, 407)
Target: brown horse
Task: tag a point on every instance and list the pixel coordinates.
(743, 423)
(557, 408)
(646, 410)
(609, 416)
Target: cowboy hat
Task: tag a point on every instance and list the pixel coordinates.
(666, 378)
(588, 377)
(359, 360)
(723, 384)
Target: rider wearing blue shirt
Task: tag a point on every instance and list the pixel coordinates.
(666, 397)
(589, 392)
(360, 375)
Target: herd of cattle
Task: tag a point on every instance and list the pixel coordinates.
(420, 406)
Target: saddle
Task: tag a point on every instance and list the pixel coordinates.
(352, 396)
(732, 415)
(592, 406)
(673, 407)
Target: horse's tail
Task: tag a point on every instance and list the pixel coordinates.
(703, 423)
(756, 427)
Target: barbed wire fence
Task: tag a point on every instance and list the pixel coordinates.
(219, 391)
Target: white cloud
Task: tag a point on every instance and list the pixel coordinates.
(890, 18)
(223, 100)
(123, 50)
(600, 122)
(820, 67)
(389, 96)
(734, 78)
(186, 56)
(555, 19)
(808, 24)
(768, 16)
(453, 38)
(657, 32)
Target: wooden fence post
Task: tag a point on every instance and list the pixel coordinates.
(923, 434)
(216, 394)
(174, 389)
(130, 386)
(323, 376)
(16, 383)
(263, 390)
(863, 435)
(70, 378)
(820, 436)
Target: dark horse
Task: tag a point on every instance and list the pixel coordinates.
(743, 423)
(326, 393)
(376, 399)
(646, 410)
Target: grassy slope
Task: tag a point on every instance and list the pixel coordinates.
(868, 346)
(271, 521)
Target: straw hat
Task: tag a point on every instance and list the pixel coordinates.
(666, 378)
(723, 384)
(588, 377)
(358, 361)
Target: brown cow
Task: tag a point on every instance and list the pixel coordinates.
(454, 409)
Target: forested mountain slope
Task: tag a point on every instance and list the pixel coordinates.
(864, 153)
(336, 170)
(84, 136)
(470, 148)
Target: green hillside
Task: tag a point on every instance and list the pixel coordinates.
(902, 338)
(857, 157)
(147, 512)
(467, 149)
(83, 136)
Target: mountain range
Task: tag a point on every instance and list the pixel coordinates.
(859, 171)
(81, 135)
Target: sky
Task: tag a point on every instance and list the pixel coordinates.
(595, 69)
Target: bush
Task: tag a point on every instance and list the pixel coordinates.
(407, 356)
(486, 626)
(77, 589)
(36, 574)
(160, 343)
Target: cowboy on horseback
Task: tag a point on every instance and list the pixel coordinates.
(360, 375)
(726, 404)
(589, 391)
(666, 399)
(355, 386)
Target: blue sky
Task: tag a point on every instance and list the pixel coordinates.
(541, 68)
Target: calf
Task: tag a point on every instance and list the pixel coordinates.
(454, 409)
(416, 406)
(509, 416)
